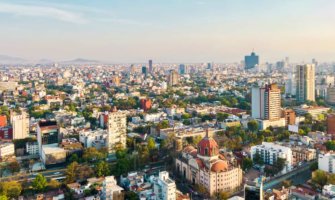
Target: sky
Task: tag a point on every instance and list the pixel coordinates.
(168, 30)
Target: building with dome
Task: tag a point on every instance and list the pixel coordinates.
(205, 166)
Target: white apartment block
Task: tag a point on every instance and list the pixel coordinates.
(111, 191)
(164, 187)
(117, 130)
(270, 152)
(20, 123)
(6, 149)
(326, 162)
(92, 137)
(32, 148)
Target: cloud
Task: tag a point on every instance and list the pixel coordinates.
(42, 11)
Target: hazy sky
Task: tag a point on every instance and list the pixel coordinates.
(168, 30)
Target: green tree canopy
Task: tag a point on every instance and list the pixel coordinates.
(39, 183)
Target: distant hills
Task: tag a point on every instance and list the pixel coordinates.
(4, 59)
(80, 61)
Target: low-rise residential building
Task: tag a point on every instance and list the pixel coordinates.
(6, 149)
(93, 138)
(312, 110)
(110, 189)
(164, 187)
(300, 154)
(269, 152)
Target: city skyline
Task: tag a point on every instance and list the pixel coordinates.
(173, 31)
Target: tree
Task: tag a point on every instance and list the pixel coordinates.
(246, 164)
(151, 143)
(287, 183)
(74, 158)
(222, 116)
(40, 183)
(253, 125)
(222, 195)
(130, 195)
(319, 177)
(314, 166)
(54, 184)
(14, 167)
(84, 172)
(92, 154)
(3, 197)
(102, 169)
(11, 189)
(71, 172)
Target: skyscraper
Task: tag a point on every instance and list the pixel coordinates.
(182, 69)
(173, 78)
(144, 70)
(20, 123)
(266, 102)
(150, 66)
(305, 76)
(251, 61)
(117, 130)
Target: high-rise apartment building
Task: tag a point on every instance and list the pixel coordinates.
(117, 130)
(266, 102)
(305, 76)
(47, 133)
(182, 69)
(173, 78)
(251, 61)
(150, 66)
(144, 70)
(20, 123)
(331, 94)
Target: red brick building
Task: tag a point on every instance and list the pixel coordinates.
(145, 104)
(331, 124)
(289, 116)
(6, 133)
(3, 120)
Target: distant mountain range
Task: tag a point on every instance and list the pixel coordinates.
(11, 60)
(4, 59)
(80, 61)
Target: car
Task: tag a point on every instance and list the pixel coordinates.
(56, 173)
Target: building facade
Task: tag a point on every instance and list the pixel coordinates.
(326, 162)
(6, 149)
(207, 167)
(117, 130)
(110, 189)
(270, 152)
(251, 61)
(305, 77)
(266, 102)
(164, 187)
(47, 133)
(173, 78)
(20, 124)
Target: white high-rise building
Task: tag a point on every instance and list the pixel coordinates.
(305, 76)
(110, 190)
(117, 130)
(269, 152)
(326, 162)
(164, 187)
(266, 102)
(20, 123)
